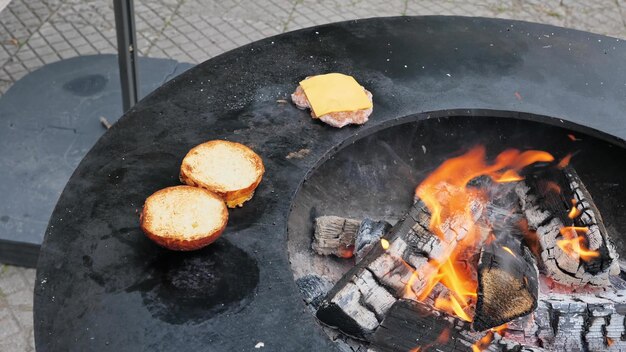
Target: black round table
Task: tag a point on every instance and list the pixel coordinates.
(102, 285)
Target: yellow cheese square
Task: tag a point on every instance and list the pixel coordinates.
(334, 92)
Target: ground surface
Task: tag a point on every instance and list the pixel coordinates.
(37, 32)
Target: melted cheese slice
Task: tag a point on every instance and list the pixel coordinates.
(334, 92)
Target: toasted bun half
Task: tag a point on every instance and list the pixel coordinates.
(229, 169)
(183, 218)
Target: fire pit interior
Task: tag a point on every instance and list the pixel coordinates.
(529, 260)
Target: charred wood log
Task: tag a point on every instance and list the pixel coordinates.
(547, 200)
(574, 322)
(413, 326)
(507, 283)
(358, 302)
(346, 307)
(313, 289)
(335, 235)
(507, 272)
(345, 237)
(368, 235)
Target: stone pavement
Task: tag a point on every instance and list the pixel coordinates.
(37, 32)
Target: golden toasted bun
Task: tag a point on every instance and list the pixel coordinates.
(229, 169)
(183, 218)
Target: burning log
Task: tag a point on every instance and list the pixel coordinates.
(357, 303)
(410, 325)
(414, 326)
(576, 249)
(335, 235)
(507, 272)
(347, 308)
(507, 284)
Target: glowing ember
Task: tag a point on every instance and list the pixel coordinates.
(508, 250)
(531, 238)
(609, 342)
(347, 252)
(444, 336)
(553, 187)
(573, 138)
(564, 162)
(574, 212)
(574, 243)
(384, 243)
(449, 200)
(486, 340)
(409, 293)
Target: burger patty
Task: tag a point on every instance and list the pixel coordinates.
(335, 119)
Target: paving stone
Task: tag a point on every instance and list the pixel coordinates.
(9, 326)
(4, 86)
(607, 20)
(67, 53)
(33, 63)
(86, 50)
(24, 317)
(15, 69)
(15, 343)
(10, 284)
(22, 297)
(29, 276)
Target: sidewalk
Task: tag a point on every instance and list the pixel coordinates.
(37, 32)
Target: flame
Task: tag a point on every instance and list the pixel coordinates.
(486, 340)
(452, 306)
(564, 162)
(508, 250)
(574, 243)
(508, 176)
(384, 243)
(449, 200)
(574, 212)
(500, 329)
(416, 349)
(575, 248)
(483, 343)
(446, 186)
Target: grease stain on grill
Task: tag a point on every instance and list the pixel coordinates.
(85, 86)
(191, 287)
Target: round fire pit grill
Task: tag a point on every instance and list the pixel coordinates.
(102, 285)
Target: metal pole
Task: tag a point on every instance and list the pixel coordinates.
(126, 50)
